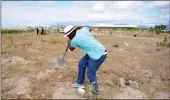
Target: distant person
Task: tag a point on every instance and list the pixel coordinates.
(96, 54)
(37, 30)
(110, 31)
(42, 32)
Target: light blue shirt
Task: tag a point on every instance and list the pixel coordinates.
(86, 42)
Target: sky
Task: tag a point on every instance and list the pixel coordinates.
(37, 13)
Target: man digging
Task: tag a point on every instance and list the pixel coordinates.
(95, 54)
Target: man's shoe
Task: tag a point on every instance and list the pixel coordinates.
(76, 85)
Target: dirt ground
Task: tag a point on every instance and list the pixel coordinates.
(28, 66)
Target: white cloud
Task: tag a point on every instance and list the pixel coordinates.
(127, 5)
(84, 2)
(158, 4)
(46, 2)
(98, 16)
(43, 15)
(98, 7)
(118, 11)
(110, 11)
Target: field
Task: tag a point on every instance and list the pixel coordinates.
(28, 66)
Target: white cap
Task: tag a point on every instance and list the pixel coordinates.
(68, 29)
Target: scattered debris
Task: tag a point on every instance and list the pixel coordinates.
(126, 43)
(59, 77)
(116, 46)
(122, 82)
(33, 50)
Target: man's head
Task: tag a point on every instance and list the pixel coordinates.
(70, 31)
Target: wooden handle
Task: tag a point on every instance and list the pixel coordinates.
(67, 47)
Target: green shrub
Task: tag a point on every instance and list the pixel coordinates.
(157, 32)
(11, 31)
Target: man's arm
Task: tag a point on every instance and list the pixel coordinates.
(79, 27)
(69, 42)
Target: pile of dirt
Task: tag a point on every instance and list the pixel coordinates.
(130, 93)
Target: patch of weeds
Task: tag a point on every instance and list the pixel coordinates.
(32, 58)
(164, 43)
(26, 57)
(146, 90)
(49, 95)
(11, 41)
(90, 92)
(99, 98)
(27, 96)
(56, 40)
(11, 31)
(57, 55)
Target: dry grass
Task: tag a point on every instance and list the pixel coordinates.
(89, 91)
(127, 63)
(164, 43)
(56, 39)
(147, 92)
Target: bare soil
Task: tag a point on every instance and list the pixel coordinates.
(28, 66)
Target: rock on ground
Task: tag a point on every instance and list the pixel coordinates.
(131, 93)
(133, 84)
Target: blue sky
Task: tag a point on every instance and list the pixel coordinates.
(33, 13)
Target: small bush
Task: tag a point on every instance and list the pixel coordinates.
(164, 43)
(158, 32)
